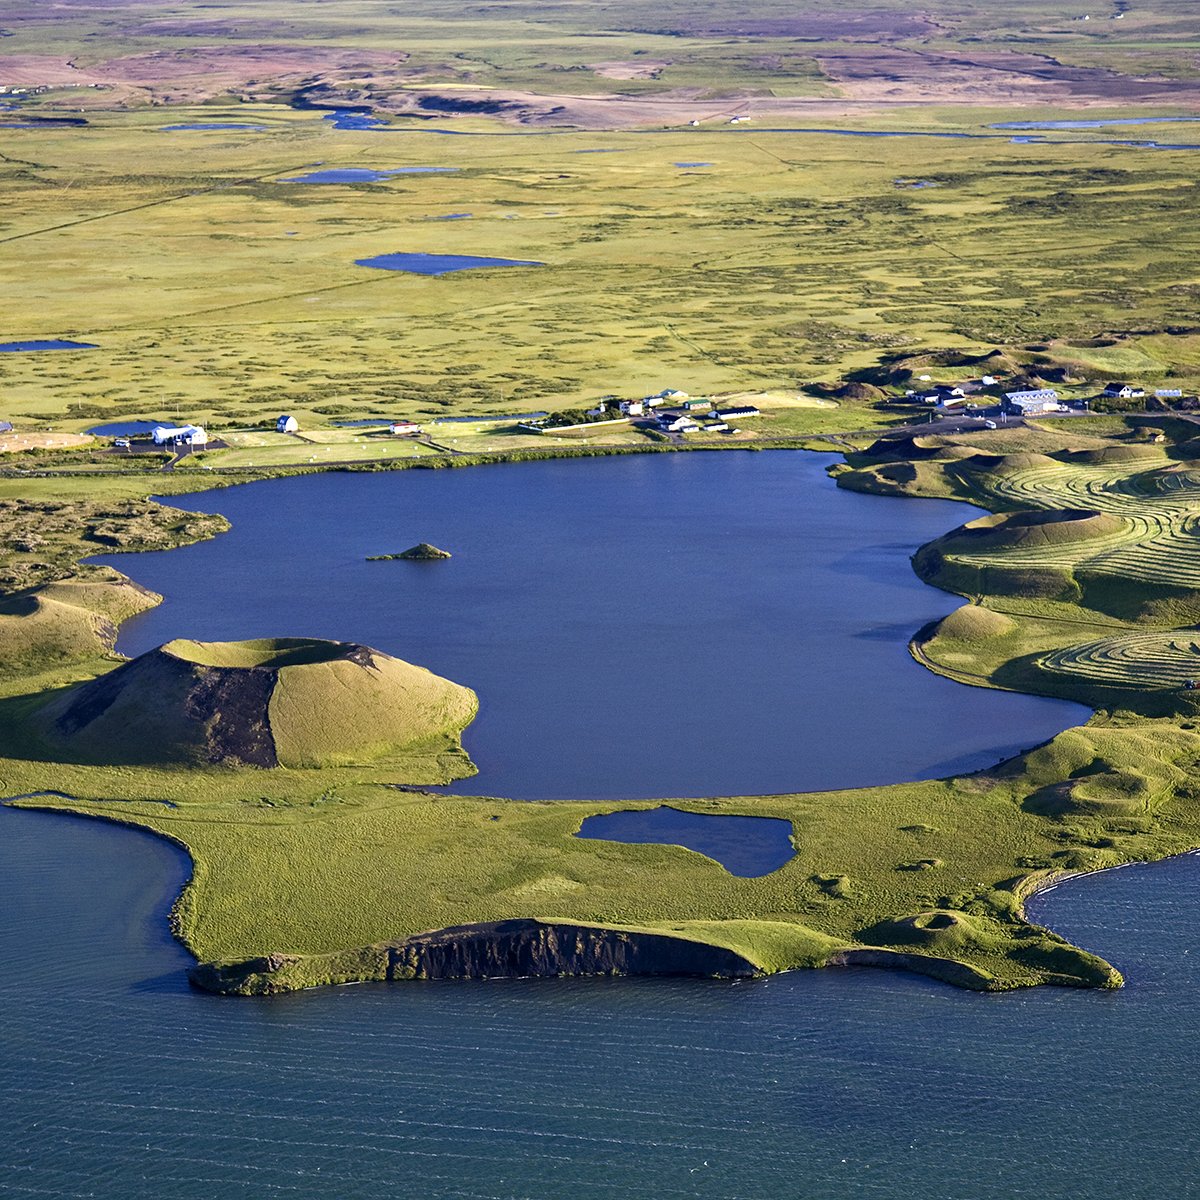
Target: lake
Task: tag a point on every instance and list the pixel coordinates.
(636, 627)
(1098, 123)
(38, 345)
(120, 1083)
(126, 428)
(438, 264)
(745, 846)
(364, 174)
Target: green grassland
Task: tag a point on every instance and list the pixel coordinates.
(218, 292)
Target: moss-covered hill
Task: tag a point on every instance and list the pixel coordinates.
(293, 702)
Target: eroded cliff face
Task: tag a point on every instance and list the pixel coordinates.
(502, 949)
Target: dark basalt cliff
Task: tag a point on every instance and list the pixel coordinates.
(502, 949)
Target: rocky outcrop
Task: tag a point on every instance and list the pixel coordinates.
(502, 949)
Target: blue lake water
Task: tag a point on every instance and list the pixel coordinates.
(119, 1083)
(363, 174)
(349, 119)
(438, 264)
(644, 626)
(37, 345)
(693, 164)
(126, 428)
(745, 846)
(452, 217)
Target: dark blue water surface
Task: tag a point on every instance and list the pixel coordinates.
(45, 344)
(119, 1083)
(745, 846)
(438, 264)
(693, 164)
(642, 626)
(363, 174)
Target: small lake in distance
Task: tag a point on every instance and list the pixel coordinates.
(364, 174)
(37, 345)
(438, 264)
(636, 627)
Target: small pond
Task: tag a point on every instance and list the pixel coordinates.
(352, 119)
(744, 846)
(37, 345)
(438, 264)
(364, 174)
(693, 164)
(126, 428)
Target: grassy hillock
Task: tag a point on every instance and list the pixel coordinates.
(289, 702)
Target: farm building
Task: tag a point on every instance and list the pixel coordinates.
(1029, 403)
(287, 424)
(666, 396)
(633, 408)
(179, 435)
(405, 427)
(677, 423)
(1122, 391)
(734, 414)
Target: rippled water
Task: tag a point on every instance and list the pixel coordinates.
(118, 1082)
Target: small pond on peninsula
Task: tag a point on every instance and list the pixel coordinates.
(744, 846)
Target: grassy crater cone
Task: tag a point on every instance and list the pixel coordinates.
(291, 702)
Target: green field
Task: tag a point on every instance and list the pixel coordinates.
(218, 293)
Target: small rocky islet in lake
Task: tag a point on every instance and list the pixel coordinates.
(421, 552)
